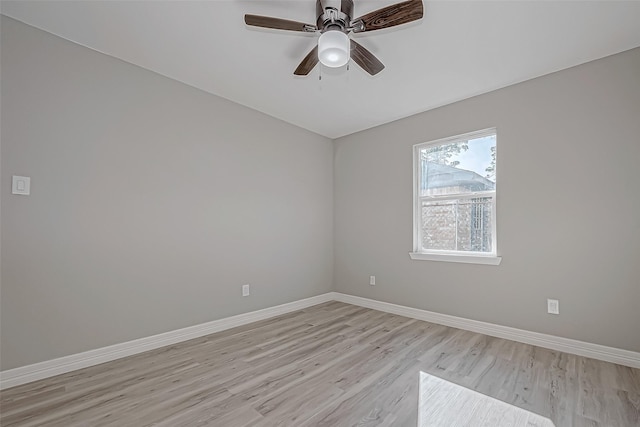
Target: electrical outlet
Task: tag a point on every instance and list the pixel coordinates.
(553, 306)
(372, 280)
(21, 185)
(245, 290)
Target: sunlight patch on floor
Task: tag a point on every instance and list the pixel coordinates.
(443, 403)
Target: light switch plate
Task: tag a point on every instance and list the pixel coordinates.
(21, 185)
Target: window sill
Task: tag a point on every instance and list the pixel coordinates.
(468, 259)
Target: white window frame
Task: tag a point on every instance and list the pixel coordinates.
(419, 253)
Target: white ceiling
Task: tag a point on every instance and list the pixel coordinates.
(458, 50)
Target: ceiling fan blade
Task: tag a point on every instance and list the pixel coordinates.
(365, 59)
(319, 9)
(346, 7)
(389, 16)
(277, 23)
(307, 63)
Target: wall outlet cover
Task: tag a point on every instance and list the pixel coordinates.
(21, 185)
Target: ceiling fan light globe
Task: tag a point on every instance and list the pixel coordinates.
(333, 48)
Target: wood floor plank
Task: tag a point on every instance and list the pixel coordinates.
(335, 364)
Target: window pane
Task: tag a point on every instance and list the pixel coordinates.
(457, 225)
(458, 167)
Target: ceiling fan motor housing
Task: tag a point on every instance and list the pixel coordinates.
(332, 19)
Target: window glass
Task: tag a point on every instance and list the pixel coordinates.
(455, 195)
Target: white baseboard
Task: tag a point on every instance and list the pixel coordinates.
(580, 348)
(50, 368)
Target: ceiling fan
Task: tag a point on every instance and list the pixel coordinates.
(334, 47)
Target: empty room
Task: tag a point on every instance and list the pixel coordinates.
(320, 213)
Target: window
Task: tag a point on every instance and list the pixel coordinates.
(455, 199)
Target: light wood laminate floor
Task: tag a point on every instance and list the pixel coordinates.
(335, 365)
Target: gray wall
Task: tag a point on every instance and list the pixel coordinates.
(152, 203)
(568, 207)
